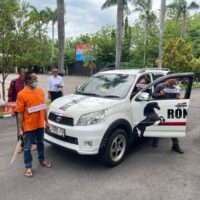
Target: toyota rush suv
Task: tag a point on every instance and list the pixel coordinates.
(104, 117)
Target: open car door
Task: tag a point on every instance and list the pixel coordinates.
(166, 117)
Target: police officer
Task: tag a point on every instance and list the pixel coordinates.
(168, 90)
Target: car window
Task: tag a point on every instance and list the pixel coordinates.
(108, 85)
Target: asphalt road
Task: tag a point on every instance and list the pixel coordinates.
(145, 174)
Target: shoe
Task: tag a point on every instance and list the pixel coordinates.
(154, 143)
(177, 149)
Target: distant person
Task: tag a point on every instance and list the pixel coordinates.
(55, 85)
(16, 86)
(32, 117)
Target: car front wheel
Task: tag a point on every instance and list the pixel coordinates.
(116, 148)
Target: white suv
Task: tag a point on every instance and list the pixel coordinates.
(104, 117)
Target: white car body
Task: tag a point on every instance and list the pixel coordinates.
(87, 139)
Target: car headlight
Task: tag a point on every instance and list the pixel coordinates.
(91, 118)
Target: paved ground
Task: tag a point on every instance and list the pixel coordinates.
(146, 173)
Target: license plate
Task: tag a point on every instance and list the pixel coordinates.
(57, 130)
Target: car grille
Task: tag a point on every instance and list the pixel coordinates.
(61, 119)
(68, 139)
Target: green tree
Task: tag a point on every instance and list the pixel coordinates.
(52, 16)
(126, 42)
(145, 6)
(182, 7)
(162, 22)
(177, 56)
(121, 6)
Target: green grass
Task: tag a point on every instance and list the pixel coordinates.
(196, 84)
(1, 113)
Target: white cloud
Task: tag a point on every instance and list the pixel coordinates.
(85, 16)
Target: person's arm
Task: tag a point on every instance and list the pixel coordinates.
(157, 91)
(20, 118)
(46, 119)
(11, 92)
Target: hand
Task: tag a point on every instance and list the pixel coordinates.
(47, 128)
(47, 125)
(162, 93)
(21, 132)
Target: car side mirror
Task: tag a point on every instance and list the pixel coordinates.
(144, 96)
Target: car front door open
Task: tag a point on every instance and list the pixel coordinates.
(166, 117)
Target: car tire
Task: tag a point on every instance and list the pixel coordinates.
(116, 148)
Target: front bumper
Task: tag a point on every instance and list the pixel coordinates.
(85, 140)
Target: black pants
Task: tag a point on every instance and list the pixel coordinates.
(55, 95)
(174, 141)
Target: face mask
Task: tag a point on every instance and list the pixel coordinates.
(34, 84)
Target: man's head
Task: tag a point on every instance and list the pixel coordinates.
(142, 81)
(171, 82)
(54, 71)
(21, 71)
(31, 79)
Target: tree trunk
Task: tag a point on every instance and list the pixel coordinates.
(52, 47)
(61, 35)
(183, 31)
(162, 21)
(3, 88)
(145, 45)
(120, 17)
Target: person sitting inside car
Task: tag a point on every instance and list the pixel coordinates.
(142, 83)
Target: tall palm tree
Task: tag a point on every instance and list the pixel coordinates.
(182, 7)
(61, 34)
(145, 6)
(53, 17)
(121, 6)
(162, 21)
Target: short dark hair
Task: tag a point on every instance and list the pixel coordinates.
(28, 76)
(19, 69)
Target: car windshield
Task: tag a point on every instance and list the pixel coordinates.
(107, 85)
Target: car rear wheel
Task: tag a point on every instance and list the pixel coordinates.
(116, 148)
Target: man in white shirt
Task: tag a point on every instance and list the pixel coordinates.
(55, 85)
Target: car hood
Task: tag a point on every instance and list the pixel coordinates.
(76, 105)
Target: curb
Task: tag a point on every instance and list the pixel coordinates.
(5, 116)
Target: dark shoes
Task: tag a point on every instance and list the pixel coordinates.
(177, 149)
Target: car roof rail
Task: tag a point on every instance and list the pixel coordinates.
(155, 68)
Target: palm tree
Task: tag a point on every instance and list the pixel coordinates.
(181, 7)
(61, 34)
(53, 17)
(145, 6)
(162, 21)
(121, 6)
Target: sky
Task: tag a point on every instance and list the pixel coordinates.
(85, 16)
